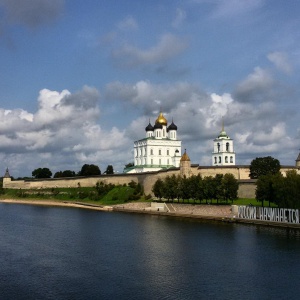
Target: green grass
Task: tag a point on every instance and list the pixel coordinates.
(118, 195)
(241, 201)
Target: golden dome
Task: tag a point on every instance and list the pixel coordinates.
(185, 157)
(161, 119)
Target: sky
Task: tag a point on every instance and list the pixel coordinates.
(80, 80)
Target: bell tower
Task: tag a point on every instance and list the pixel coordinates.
(223, 153)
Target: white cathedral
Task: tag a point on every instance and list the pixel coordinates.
(161, 149)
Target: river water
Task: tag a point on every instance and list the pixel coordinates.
(68, 253)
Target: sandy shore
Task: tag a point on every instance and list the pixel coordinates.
(179, 209)
(58, 203)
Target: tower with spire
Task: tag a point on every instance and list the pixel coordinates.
(223, 153)
(160, 149)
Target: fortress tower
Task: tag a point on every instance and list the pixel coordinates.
(6, 177)
(185, 165)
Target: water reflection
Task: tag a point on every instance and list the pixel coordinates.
(55, 253)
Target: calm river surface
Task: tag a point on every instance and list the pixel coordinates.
(67, 253)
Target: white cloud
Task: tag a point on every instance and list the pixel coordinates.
(280, 61)
(151, 97)
(255, 87)
(129, 23)
(231, 8)
(64, 128)
(270, 135)
(179, 18)
(167, 47)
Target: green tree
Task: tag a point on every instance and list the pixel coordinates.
(218, 187)
(41, 173)
(230, 187)
(184, 191)
(287, 191)
(66, 173)
(89, 170)
(208, 188)
(263, 166)
(58, 174)
(158, 188)
(191, 188)
(109, 169)
(279, 190)
(265, 189)
(170, 187)
(198, 187)
(102, 188)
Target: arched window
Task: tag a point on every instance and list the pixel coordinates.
(218, 147)
(226, 159)
(220, 160)
(151, 152)
(227, 147)
(215, 160)
(231, 159)
(159, 152)
(168, 152)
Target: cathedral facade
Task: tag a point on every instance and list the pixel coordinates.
(160, 149)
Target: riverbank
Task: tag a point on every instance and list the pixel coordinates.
(58, 203)
(219, 213)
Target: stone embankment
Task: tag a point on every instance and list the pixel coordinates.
(216, 212)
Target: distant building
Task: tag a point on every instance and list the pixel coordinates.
(298, 161)
(160, 149)
(223, 153)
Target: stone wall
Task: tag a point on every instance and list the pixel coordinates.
(69, 182)
(147, 180)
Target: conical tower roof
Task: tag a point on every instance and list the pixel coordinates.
(185, 157)
(6, 175)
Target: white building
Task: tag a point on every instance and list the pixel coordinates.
(160, 149)
(223, 154)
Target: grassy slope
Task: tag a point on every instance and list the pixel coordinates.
(117, 195)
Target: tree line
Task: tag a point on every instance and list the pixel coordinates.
(272, 186)
(220, 187)
(283, 191)
(86, 170)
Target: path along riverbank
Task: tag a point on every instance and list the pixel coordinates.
(219, 213)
